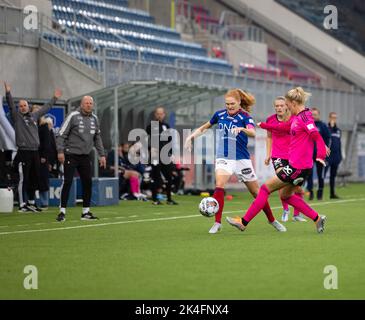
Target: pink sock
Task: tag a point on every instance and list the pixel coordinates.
(285, 205)
(134, 184)
(296, 212)
(299, 204)
(268, 212)
(258, 204)
(219, 196)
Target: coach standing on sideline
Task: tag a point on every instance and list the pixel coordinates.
(336, 156)
(325, 133)
(79, 133)
(158, 167)
(27, 141)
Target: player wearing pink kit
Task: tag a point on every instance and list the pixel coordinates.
(303, 136)
(277, 149)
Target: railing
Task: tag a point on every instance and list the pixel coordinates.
(8, 3)
(121, 39)
(227, 27)
(49, 26)
(301, 44)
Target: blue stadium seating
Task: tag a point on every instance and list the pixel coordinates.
(113, 25)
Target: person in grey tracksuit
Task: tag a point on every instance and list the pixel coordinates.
(79, 133)
(27, 142)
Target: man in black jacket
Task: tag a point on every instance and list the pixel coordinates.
(155, 130)
(323, 130)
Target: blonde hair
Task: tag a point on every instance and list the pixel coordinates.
(35, 108)
(298, 95)
(247, 100)
(278, 98)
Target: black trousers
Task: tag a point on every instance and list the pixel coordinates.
(333, 167)
(166, 170)
(83, 165)
(44, 177)
(320, 174)
(28, 164)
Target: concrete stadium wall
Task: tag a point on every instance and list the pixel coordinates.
(34, 73)
(43, 6)
(19, 67)
(54, 72)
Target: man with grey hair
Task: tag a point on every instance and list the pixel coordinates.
(79, 133)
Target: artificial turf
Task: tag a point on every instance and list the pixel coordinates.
(140, 251)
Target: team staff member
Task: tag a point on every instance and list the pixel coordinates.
(324, 132)
(79, 133)
(336, 156)
(157, 165)
(27, 141)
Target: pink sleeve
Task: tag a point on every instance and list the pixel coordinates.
(250, 126)
(307, 122)
(281, 127)
(321, 146)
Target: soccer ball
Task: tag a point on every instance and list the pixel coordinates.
(208, 207)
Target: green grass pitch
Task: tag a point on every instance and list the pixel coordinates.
(140, 251)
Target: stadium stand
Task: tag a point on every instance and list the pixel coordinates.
(112, 25)
(275, 66)
(350, 22)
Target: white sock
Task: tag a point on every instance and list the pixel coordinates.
(63, 210)
(31, 201)
(85, 210)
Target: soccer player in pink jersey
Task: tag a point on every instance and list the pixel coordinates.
(277, 150)
(303, 136)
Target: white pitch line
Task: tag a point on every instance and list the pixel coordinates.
(151, 220)
(98, 225)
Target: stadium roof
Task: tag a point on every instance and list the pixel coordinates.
(141, 95)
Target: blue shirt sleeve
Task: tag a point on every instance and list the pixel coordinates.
(326, 134)
(248, 120)
(214, 119)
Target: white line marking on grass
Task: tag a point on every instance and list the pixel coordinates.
(152, 220)
(135, 216)
(98, 225)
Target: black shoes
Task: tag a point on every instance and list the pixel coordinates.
(157, 202)
(61, 217)
(29, 208)
(171, 202)
(334, 196)
(24, 208)
(311, 195)
(88, 216)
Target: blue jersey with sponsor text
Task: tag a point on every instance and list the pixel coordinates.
(228, 145)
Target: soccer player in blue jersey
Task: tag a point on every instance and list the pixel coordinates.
(235, 125)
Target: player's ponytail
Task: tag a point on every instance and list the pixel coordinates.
(246, 99)
(298, 95)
